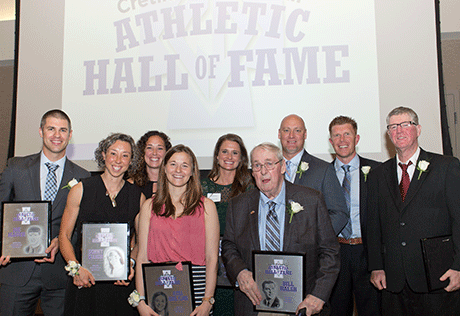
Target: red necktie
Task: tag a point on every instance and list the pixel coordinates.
(405, 180)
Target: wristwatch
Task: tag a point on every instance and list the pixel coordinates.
(211, 300)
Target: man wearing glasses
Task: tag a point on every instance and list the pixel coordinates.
(258, 220)
(310, 171)
(412, 196)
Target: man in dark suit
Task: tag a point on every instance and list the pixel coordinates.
(353, 280)
(309, 171)
(24, 179)
(270, 300)
(250, 227)
(414, 195)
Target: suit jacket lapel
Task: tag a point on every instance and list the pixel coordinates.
(254, 220)
(66, 177)
(391, 177)
(287, 226)
(362, 195)
(416, 183)
(306, 158)
(34, 173)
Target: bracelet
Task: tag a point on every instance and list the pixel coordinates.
(133, 262)
(135, 298)
(72, 267)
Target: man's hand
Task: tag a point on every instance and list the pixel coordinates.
(378, 279)
(249, 287)
(454, 283)
(4, 260)
(313, 305)
(52, 250)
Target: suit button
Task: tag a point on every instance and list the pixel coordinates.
(402, 224)
(403, 243)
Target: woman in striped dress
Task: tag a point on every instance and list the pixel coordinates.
(179, 224)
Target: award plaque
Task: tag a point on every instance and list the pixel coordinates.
(168, 288)
(222, 279)
(280, 277)
(105, 250)
(26, 229)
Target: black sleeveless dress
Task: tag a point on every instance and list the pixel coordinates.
(104, 298)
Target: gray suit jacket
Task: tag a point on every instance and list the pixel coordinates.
(310, 232)
(321, 177)
(21, 182)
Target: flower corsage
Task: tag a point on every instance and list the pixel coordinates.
(72, 267)
(303, 166)
(135, 298)
(365, 170)
(422, 166)
(293, 208)
(70, 184)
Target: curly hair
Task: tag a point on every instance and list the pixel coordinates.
(242, 177)
(105, 144)
(191, 198)
(140, 176)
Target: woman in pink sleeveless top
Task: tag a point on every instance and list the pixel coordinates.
(179, 224)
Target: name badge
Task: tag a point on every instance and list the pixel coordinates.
(215, 197)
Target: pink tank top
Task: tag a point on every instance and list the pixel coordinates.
(180, 239)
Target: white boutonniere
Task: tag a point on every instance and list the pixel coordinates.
(292, 208)
(303, 166)
(365, 170)
(70, 184)
(422, 166)
(134, 298)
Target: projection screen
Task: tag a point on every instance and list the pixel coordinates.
(199, 69)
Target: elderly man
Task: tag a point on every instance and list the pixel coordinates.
(352, 171)
(40, 176)
(310, 171)
(250, 220)
(412, 196)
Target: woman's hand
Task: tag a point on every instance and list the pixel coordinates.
(130, 277)
(202, 310)
(84, 278)
(145, 310)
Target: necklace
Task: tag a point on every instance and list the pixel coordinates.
(112, 198)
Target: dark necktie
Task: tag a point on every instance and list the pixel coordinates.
(346, 186)
(405, 180)
(51, 182)
(272, 229)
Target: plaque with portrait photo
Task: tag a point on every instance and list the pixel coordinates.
(168, 288)
(105, 250)
(279, 276)
(26, 228)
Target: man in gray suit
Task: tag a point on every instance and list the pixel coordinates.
(250, 220)
(25, 179)
(309, 171)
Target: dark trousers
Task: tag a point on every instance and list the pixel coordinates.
(407, 302)
(22, 300)
(354, 279)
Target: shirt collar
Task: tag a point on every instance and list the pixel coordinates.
(60, 162)
(354, 163)
(280, 199)
(296, 159)
(413, 159)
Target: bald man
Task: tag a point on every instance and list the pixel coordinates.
(312, 172)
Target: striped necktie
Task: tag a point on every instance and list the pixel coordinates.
(272, 230)
(346, 186)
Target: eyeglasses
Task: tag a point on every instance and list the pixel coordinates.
(268, 165)
(405, 124)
